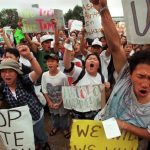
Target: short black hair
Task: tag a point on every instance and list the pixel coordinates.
(98, 58)
(13, 51)
(139, 57)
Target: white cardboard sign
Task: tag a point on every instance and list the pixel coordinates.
(16, 128)
(137, 18)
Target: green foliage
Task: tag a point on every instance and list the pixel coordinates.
(8, 17)
(76, 13)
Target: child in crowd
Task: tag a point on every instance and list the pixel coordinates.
(52, 82)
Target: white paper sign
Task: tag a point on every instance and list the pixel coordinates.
(83, 98)
(76, 25)
(92, 20)
(111, 128)
(16, 128)
(137, 18)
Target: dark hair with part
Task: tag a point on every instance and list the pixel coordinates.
(83, 70)
(13, 51)
(139, 57)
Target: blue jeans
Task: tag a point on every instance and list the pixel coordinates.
(39, 132)
(60, 122)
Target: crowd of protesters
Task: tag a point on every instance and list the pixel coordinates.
(47, 61)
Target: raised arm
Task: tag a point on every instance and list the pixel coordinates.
(56, 35)
(83, 42)
(67, 54)
(111, 34)
(25, 52)
(6, 39)
(34, 47)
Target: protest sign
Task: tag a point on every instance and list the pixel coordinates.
(39, 19)
(92, 20)
(9, 32)
(137, 18)
(1, 39)
(76, 25)
(83, 98)
(89, 135)
(70, 23)
(16, 128)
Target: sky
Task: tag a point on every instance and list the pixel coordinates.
(115, 6)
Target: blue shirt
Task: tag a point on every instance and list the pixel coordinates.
(23, 97)
(123, 103)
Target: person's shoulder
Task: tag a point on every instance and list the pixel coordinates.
(46, 73)
(61, 73)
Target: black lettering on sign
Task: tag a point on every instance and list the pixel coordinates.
(17, 139)
(5, 136)
(95, 130)
(11, 113)
(85, 147)
(75, 148)
(2, 123)
(82, 132)
(136, 20)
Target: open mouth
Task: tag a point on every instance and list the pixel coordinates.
(91, 65)
(143, 92)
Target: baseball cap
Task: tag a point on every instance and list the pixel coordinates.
(52, 56)
(11, 64)
(45, 38)
(97, 42)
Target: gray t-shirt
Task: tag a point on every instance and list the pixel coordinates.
(123, 104)
(52, 86)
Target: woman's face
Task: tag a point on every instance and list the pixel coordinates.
(92, 65)
(77, 47)
(9, 76)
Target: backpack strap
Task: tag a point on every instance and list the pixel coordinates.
(102, 78)
(79, 77)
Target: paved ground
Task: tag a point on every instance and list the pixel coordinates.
(57, 142)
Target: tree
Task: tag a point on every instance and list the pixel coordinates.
(9, 17)
(76, 13)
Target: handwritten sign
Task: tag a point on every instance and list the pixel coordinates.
(137, 21)
(1, 39)
(76, 25)
(38, 19)
(92, 20)
(16, 128)
(70, 23)
(89, 135)
(9, 32)
(83, 98)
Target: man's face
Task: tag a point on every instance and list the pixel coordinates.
(9, 76)
(128, 48)
(46, 45)
(141, 82)
(96, 49)
(52, 64)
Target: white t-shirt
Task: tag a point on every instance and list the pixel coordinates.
(104, 64)
(52, 85)
(87, 79)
